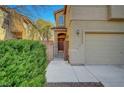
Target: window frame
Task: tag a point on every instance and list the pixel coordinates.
(61, 20)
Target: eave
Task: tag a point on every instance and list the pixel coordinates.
(59, 29)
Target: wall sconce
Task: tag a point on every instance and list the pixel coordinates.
(77, 31)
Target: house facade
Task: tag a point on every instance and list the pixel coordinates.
(2, 30)
(30, 32)
(95, 34)
(59, 33)
(16, 26)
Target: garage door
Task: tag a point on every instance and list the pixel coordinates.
(104, 49)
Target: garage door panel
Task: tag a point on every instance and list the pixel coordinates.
(104, 49)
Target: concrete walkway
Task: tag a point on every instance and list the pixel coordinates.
(60, 71)
(110, 75)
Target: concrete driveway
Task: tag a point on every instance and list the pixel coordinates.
(110, 75)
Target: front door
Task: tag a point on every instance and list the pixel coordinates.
(60, 44)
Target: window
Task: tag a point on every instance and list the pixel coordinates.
(61, 20)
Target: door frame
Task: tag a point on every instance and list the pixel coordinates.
(59, 49)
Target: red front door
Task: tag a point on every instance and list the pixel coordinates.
(61, 44)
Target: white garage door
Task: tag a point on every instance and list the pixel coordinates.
(104, 49)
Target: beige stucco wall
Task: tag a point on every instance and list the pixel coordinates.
(2, 31)
(68, 22)
(96, 12)
(91, 12)
(77, 42)
(116, 12)
(68, 16)
(98, 26)
(87, 19)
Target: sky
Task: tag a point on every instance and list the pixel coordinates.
(45, 12)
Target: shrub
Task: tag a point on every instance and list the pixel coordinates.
(22, 63)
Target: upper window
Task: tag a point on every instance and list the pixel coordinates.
(61, 20)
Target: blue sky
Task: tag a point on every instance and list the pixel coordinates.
(45, 12)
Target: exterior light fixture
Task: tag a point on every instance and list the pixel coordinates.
(77, 31)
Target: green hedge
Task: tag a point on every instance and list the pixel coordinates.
(22, 63)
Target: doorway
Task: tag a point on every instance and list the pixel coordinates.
(60, 44)
(61, 39)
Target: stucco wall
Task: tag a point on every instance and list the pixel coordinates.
(97, 12)
(50, 49)
(87, 19)
(77, 42)
(4, 27)
(92, 12)
(116, 12)
(2, 31)
(91, 26)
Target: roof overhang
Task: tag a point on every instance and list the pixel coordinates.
(60, 10)
(59, 29)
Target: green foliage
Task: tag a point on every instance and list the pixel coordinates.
(44, 28)
(22, 63)
(43, 23)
